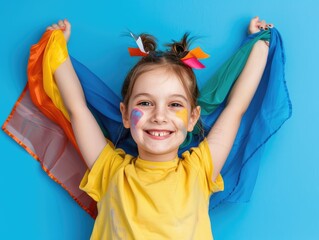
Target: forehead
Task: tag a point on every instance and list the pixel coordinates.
(159, 81)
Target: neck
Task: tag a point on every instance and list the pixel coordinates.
(157, 157)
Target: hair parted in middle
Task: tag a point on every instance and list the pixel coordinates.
(170, 60)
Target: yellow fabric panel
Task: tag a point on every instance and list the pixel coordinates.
(54, 55)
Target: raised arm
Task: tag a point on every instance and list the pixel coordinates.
(222, 135)
(88, 134)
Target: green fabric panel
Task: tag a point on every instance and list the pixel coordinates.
(217, 87)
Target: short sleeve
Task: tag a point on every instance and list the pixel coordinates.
(200, 158)
(96, 180)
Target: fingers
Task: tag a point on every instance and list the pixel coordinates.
(255, 20)
(256, 25)
(270, 25)
(61, 25)
(54, 26)
(263, 25)
(67, 25)
(64, 25)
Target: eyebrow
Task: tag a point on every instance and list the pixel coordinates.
(149, 95)
(180, 96)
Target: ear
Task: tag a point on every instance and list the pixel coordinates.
(125, 115)
(193, 118)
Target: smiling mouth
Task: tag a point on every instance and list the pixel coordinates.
(159, 133)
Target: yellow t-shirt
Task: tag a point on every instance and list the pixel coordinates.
(140, 199)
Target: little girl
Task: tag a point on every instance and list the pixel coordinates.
(157, 195)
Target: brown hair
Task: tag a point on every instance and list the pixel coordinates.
(170, 60)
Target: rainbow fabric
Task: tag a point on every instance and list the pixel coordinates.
(40, 123)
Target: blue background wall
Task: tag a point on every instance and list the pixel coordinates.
(284, 204)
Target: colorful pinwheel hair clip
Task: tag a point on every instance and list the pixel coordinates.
(191, 58)
(139, 51)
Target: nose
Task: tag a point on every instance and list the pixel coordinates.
(159, 115)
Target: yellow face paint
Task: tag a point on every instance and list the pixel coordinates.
(182, 114)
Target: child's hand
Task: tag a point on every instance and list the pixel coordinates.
(256, 25)
(65, 26)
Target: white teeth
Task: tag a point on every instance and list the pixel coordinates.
(159, 134)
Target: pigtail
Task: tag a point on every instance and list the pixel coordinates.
(149, 42)
(181, 48)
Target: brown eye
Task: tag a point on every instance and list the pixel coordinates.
(144, 104)
(176, 105)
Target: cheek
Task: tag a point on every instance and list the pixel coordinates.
(135, 116)
(182, 114)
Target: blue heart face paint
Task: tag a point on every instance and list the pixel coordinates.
(136, 115)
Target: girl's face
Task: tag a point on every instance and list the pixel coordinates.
(159, 115)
